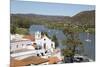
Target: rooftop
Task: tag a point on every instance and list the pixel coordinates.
(30, 60)
(53, 60)
(30, 37)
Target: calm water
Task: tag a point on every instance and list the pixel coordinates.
(89, 47)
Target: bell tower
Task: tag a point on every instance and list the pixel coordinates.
(37, 35)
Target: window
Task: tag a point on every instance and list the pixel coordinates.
(44, 45)
(11, 52)
(52, 45)
(28, 44)
(22, 45)
(44, 39)
(37, 54)
(10, 47)
(46, 51)
(42, 54)
(40, 47)
(36, 48)
(16, 46)
(34, 43)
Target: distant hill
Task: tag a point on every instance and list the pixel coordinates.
(85, 17)
(41, 17)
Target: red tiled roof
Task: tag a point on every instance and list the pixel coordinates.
(53, 60)
(15, 63)
(32, 38)
(30, 60)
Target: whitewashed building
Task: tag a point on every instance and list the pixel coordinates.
(44, 44)
(17, 43)
(20, 47)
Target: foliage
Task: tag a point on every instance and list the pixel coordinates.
(82, 20)
(21, 31)
(67, 52)
(54, 38)
(13, 29)
(45, 33)
(72, 42)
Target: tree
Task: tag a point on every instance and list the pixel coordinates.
(13, 29)
(22, 31)
(54, 38)
(67, 52)
(72, 42)
(44, 33)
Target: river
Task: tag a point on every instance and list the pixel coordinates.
(89, 46)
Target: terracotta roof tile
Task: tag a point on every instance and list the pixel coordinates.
(29, 37)
(30, 60)
(53, 60)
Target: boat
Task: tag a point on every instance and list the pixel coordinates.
(88, 40)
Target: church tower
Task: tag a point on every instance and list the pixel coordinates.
(37, 35)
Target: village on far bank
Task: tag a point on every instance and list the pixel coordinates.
(30, 50)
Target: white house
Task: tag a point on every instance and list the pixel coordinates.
(20, 46)
(18, 43)
(43, 44)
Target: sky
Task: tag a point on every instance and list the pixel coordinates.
(43, 8)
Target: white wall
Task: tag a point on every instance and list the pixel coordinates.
(17, 45)
(47, 41)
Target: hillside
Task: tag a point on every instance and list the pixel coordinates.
(36, 17)
(85, 17)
